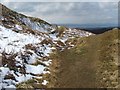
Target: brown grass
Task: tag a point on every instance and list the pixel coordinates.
(84, 66)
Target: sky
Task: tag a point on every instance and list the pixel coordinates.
(68, 12)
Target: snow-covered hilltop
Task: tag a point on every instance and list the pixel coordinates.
(25, 46)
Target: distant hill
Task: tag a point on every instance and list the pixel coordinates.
(98, 30)
(94, 28)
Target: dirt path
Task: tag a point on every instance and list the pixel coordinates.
(90, 64)
(78, 70)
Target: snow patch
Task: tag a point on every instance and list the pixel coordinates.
(35, 69)
(44, 82)
(12, 42)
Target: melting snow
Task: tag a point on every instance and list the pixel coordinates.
(4, 71)
(10, 87)
(35, 25)
(18, 27)
(35, 69)
(44, 82)
(11, 41)
(47, 62)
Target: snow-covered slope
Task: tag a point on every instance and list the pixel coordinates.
(25, 46)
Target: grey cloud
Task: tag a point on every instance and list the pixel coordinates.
(23, 7)
(83, 12)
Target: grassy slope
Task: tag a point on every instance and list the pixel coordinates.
(92, 63)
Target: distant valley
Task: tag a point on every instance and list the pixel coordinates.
(94, 28)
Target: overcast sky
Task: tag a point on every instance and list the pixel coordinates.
(69, 12)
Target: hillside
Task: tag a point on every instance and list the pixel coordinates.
(91, 63)
(97, 30)
(26, 45)
(36, 54)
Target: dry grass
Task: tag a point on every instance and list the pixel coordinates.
(89, 64)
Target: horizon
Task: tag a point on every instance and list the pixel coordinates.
(73, 13)
(89, 25)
